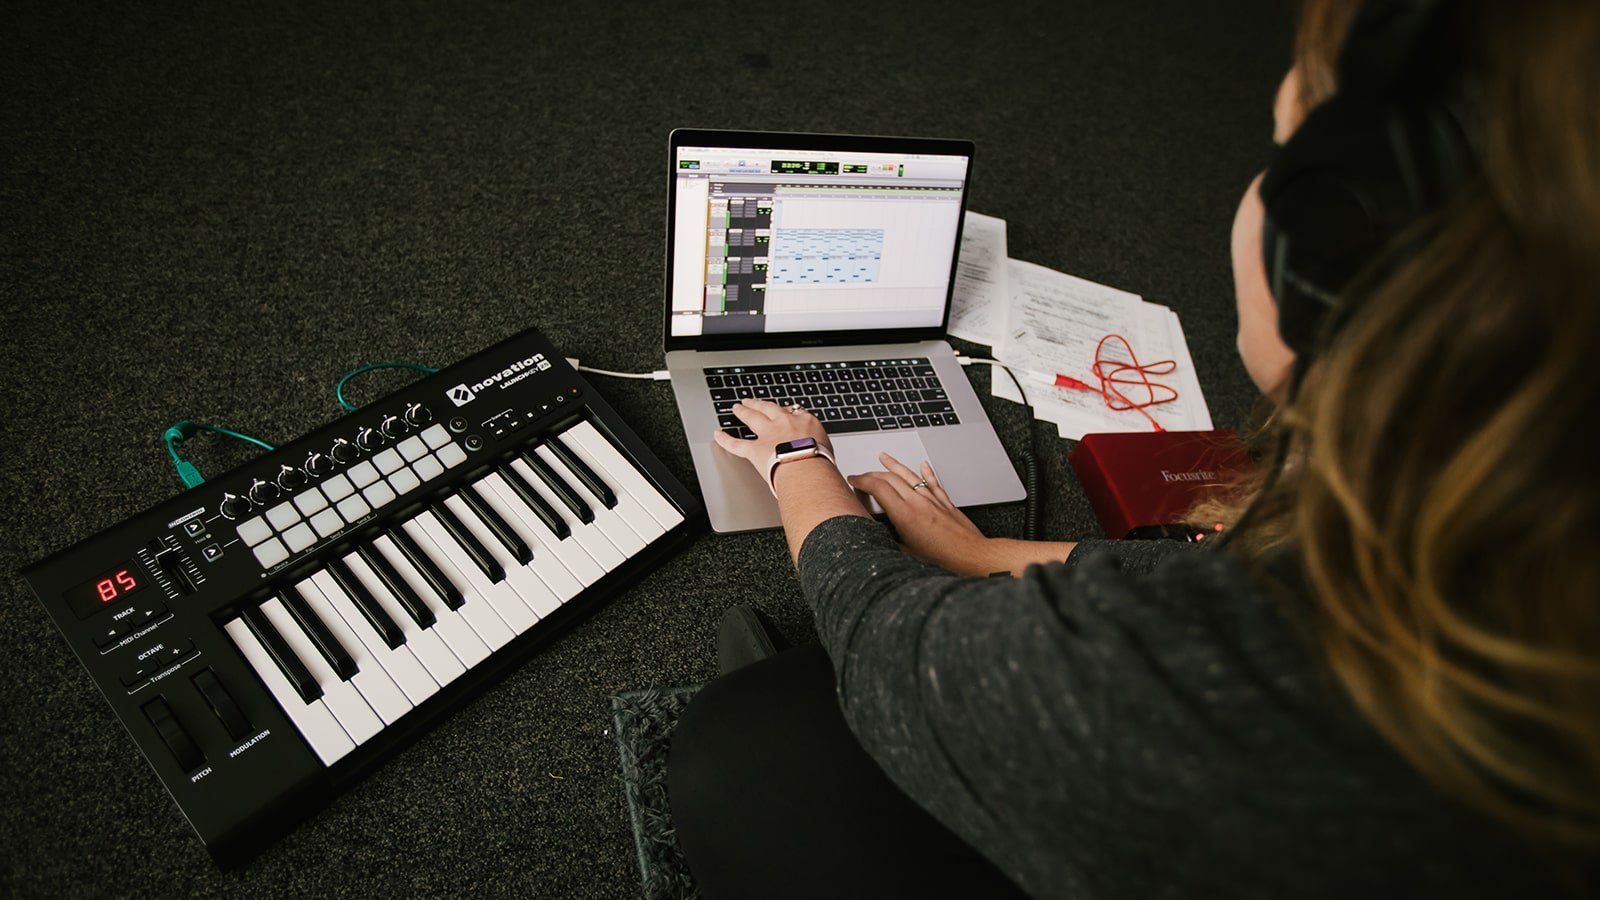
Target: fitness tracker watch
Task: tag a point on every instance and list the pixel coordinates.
(789, 451)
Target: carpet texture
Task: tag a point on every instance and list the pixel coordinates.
(644, 721)
(212, 210)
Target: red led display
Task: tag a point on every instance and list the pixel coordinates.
(111, 588)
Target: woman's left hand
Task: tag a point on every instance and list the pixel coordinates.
(930, 526)
(773, 425)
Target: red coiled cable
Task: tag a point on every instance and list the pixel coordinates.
(1113, 374)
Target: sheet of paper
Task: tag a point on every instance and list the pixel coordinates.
(1054, 325)
(978, 303)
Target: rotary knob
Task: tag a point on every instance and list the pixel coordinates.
(369, 440)
(418, 415)
(291, 479)
(392, 427)
(343, 451)
(262, 492)
(234, 506)
(318, 464)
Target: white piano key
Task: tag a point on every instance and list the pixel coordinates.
(378, 675)
(522, 579)
(589, 537)
(561, 583)
(425, 644)
(570, 552)
(628, 506)
(512, 611)
(454, 630)
(626, 540)
(313, 720)
(485, 622)
(341, 697)
(601, 448)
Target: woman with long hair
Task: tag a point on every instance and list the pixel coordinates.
(1385, 681)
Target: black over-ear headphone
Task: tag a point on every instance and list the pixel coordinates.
(1389, 147)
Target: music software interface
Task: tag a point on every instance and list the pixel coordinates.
(802, 240)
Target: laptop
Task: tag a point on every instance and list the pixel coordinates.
(817, 269)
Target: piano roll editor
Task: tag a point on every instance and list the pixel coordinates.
(272, 634)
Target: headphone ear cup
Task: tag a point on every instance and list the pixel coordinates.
(1333, 199)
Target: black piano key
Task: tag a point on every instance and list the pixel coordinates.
(375, 615)
(476, 551)
(497, 526)
(582, 472)
(449, 593)
(293, 669)
(562, 490)
(533, 500)
(399, 587)
(317, 630)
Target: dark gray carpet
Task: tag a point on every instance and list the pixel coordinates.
(211, 210)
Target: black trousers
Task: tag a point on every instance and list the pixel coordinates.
(773, 797)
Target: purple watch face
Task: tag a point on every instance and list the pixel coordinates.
(797, 444)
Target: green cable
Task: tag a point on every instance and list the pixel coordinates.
(338, 389)
(181, 431)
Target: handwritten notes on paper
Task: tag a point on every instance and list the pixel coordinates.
(1042, 323)
(978, 304)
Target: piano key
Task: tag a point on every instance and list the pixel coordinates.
(293, 670)
(313, 720)
(341, 697)
(485, 622)
(527, 585)
(546, 513)
(498, 528)
(585, 475)
(414, 608)
(375, 615)
(625, 473)
(390, 678)
(604, 553)
(568, 553)
(456, 633)
(423, 641)
(343, 665)
(488, 602)
(476, 552)
(441, 587)
(545, 562)
(628, 506)
(606, 520)
(563, 491)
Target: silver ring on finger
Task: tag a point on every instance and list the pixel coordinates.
(919, 485)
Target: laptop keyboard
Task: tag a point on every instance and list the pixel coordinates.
(848, 397)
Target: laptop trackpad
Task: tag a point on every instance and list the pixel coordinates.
(856, 454)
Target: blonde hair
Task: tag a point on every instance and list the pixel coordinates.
(1437, 491)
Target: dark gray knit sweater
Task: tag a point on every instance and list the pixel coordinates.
(1140, 721)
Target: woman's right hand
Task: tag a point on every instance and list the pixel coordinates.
(930, 526)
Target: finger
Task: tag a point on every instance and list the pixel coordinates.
(728, 442)
(885, 488)
(750, 415)
(934, 486)
(765, 407)
(898, 468)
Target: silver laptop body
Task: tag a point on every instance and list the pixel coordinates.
(800, 256)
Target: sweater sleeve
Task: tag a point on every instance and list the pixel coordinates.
(936, 671)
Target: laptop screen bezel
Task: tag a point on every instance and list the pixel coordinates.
(843, 143)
